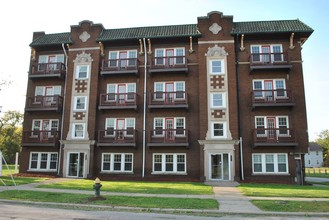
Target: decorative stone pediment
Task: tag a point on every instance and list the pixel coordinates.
(216, 51)
(215, 28)
(83, 58)
(84, 36)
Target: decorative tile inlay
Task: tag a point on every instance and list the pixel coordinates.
(79, 115)
(84, 36)
(217, 82)
(215, 28)
(80, 86)
(218, 113)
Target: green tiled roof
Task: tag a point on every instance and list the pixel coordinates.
(150, 32)
(282, 26)
(52, 39)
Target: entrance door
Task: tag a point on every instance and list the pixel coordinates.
(170, 57)
(120, 129)
(271, 128)
(220, 166)
(268, 84)
(169, 93)
(76, 165)
(169, 130)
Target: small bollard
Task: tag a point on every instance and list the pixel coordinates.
(97, 187)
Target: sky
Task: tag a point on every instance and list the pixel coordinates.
(20, 18)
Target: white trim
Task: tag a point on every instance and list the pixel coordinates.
(224, 123)
(39, 161)
(174, 162)
(122, 163)
(76, 103)
(78, 71)
(83, 130)
(223, 106)
(275, 162)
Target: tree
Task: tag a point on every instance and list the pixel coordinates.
(323, 141)
(11, 134)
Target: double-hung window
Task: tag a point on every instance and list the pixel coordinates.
(269, 89)
(218, 100)
(43, 161)
(169, 163)
(169, 126)
(169, 56)
(122, 59)
(120, 126)
(217, 66)
(80, 103)
(121, 92)
(47, 94)
(117, 162)
(78, 130)
(82, 71)
(44, 127)
(270, 163)
(169, 91)
(272, 126)
(50, 62)
(266, 53)
(218, 129)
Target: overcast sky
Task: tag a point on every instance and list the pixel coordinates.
(20, 18)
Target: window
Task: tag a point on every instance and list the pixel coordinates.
(169, 56)
(169, 124)
(114, 124)
(218, 100)
(82, 72)
(217, 67)
(80, 103)
(122, 92)
(39, 126)
(270, 124)
(266, 53)
(169, 90)
(270, 163)
(117, 162)
(269, 87)
(43, 161)
(78, 130)
(169, 163)
(122, 59)
(218, 130)
(50, 62)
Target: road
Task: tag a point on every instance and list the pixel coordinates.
(316, 179)
(27, 212)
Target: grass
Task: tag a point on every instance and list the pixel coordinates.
(136, 187)
(7, 181)
(7, 171)
(133, 201)
(292, 206)
(280, 190)
(322, 172)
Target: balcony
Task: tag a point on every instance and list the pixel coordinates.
(169, 64)
(168, 100)
(118, 101)
(168, 138)
(272, 98)
(117, 137)
(48, 70)
(119, 66)
(261, 61)
(44, 103)
(274, 137)
(47, 138)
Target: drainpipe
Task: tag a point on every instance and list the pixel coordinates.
(62, 126)
(238, 104)
(144, 112)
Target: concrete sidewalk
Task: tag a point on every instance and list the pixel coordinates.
(229, 197)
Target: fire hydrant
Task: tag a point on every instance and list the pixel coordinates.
(97, 187)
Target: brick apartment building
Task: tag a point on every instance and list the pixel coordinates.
(213, 101)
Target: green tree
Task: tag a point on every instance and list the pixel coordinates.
(323, 141)
(11, 134)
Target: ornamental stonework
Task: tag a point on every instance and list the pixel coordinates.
(217, 82)
(218, 113)
(81, 86)
(79, 115)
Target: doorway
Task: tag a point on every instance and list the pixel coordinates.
(76, 165)
(220, 166)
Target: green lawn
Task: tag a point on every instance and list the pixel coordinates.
(133, 201)
(292, 206)
(280, 190)
(7, 181)
(136, 187)
(6, 171)
(322, 172)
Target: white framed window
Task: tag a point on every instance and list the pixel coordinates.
(218, 100)
(123, 91)
(44, 125)
(78, 130)
(82, 71)
(169, 163)
(122, 58)
(127, 124)
(217, 66)
(169, 56)
(173, 90)
(169, 124)
(269, 88)
(49, 62)
(272, 125)
(117, 162)
(80, 103)
(218, 129)
(43, 161)
(266, 53)
(270, 163)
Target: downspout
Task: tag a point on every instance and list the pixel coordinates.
(144, 112)
(238, 105)
(62, 126)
